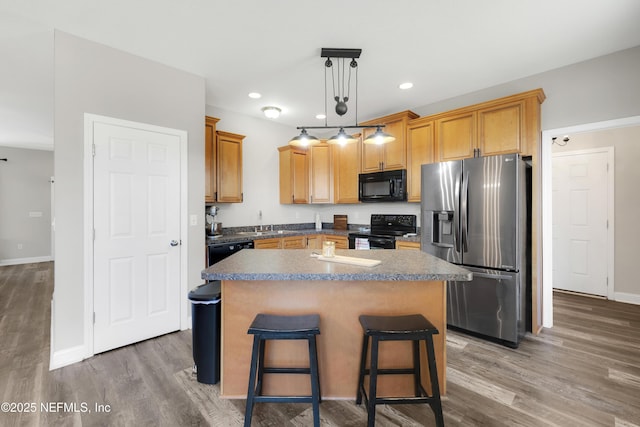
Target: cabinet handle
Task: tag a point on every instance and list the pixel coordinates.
(293, 198)
(215, 196)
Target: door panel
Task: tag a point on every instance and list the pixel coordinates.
(580, 197)
(440, 210)
(136, 216)
(491, 304)
(491, 212)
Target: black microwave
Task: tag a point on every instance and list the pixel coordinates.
(387, 186)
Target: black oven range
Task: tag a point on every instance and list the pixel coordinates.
(383, 232)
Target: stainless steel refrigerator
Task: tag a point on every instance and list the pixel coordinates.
(475, 213)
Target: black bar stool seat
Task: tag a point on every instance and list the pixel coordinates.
(274, 327)
(415, 328)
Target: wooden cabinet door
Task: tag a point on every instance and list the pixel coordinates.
(456, 136)
(321, 176)
(342, 242)
(408, 245)
(420, 150)
(294, 242)
(314, 242)
(268, 243)
(395, 153)
(294, 175)
(500, 129)
(346, 159)
(300, 183)
(229, 165)
(209, 159)
(372, 154)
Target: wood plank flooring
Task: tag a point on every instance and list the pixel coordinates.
(585, 371)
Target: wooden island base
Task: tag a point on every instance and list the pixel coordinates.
(339, 304)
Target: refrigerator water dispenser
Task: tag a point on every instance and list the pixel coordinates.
(442, 228)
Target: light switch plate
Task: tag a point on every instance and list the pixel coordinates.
(193, 219)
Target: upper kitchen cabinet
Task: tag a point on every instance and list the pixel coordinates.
(388, 156)
(294, 175)
(456, 136)
(209, 159)
(420, 150)
(222, 164)
(320, 173)
(502, 126)
(229, 167)
(346, 159)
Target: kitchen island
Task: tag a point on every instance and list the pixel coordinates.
(293, 282)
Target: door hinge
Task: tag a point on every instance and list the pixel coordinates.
(94, 317)
(93, 150)
(94, 234)
(607, 224)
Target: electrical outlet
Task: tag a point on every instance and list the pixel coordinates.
(19, 246)
(193, 219)
(260, 215)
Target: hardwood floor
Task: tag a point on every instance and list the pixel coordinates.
(585, 371)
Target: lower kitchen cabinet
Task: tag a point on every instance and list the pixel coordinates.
(314, 242)
(268, 243)
(294, 242)
(342, 242)
(408, 245)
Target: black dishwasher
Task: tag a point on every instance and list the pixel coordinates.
(219, 251)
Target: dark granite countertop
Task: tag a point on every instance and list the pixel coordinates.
(248, 235)
(298, 264)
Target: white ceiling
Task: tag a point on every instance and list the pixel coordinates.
(446, 48)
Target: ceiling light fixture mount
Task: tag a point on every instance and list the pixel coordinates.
(341, 86)
(271, 112)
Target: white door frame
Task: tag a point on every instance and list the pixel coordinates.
(610, 249)
(547, 212)
(89, 121)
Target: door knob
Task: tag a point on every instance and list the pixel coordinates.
(174, 243)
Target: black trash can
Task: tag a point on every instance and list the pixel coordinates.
(205, 324)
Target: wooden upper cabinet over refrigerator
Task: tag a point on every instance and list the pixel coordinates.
(294, 175)
(388, 156)
(420, 150)
(320, 173)
(209, 159)
(501, 126)
(456, 136)
(346, 159)
(229, 167)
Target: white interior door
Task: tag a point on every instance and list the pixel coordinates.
(136, 212)
(580, 220)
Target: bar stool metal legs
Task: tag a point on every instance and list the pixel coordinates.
(413, 328)
(271, 327)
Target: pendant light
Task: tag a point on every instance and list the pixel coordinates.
(379, 137)
(342, 138)
(341, 87)
(304, 139)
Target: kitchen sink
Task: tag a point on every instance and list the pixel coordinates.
(265, 232)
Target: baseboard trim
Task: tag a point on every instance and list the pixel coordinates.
(67, 357)
(627, 298)
(32, 260)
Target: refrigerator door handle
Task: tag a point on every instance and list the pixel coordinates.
(463, 211)
(491, 276)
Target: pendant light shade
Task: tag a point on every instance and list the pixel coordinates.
(379, 137)
(304, 139)
(342, 138)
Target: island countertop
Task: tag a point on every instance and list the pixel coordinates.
(298, 264)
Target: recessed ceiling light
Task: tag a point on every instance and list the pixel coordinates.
(320, 116)
(271, 112)
(255, 95)
(407, 85)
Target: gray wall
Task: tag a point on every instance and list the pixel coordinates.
(600, 89)
(92, 78)
(25, 189)
(626, 143)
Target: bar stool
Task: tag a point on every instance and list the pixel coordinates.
(273, 327)
(398, 328)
